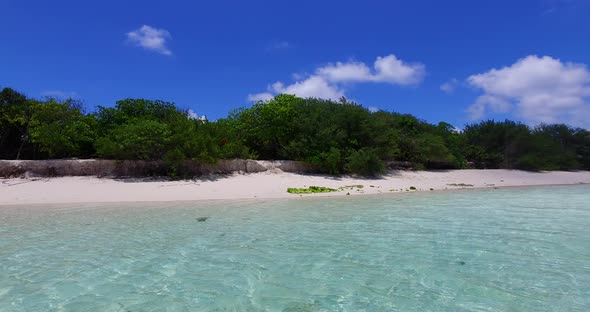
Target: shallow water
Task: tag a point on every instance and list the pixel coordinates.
(519, 249)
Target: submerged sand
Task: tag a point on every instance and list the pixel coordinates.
(269, 184)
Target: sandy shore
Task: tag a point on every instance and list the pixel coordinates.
(270, 184)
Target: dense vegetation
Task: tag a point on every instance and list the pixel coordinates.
(336, 137)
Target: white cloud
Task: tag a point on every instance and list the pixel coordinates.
(387, 69)
(265, 96)
(60, 95)
(537, 89)
(150, 38)
(496, 104)
(345, 72)
(449, 86)
(314, 86)
(373, 109)
(395, 71)
(328, 81)
(192, 115)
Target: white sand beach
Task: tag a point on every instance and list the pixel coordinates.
(270, 184)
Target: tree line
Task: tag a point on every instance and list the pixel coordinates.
(334, 136)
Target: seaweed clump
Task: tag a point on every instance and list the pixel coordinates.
(310, 190)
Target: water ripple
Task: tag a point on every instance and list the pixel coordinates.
(525, 249)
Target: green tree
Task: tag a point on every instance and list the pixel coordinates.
(156, 130)
(15, 116)
(551, 147)
(267, 126)
(335, 136)
(141, 139)
(365, 162)
(432, 151)
(62, 130)
(501, 143)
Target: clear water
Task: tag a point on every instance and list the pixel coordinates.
(524, 249)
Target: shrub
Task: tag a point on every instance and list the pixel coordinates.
(330, 161)
(365, 162)
(139, 139)
(174, 160)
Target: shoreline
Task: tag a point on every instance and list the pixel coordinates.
(265, 185)
(66, 206)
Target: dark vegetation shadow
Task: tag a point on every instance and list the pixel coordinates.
(195, 179)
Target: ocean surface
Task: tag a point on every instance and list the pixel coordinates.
(514, 249)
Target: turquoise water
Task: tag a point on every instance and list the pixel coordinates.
(520, 249)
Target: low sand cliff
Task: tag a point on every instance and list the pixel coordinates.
(139, 168)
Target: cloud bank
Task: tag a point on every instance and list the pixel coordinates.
(330, 81)
(150, 38)
(536, 89)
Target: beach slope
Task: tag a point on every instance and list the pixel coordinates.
(269, 184)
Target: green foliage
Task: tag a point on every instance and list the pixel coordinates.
(267, 126)
(385, 135)
(365, 162)
(432, 151)
(330, 161)
(231, 142)
(334, 136)
(453, 141)
(62, 130)
(156, 130)
(326, 134)
(139, 139)
(174, 159)
(15, 116)
(515, 146)
(310, 190)
(502, 142)
(550, 148)
(129, 109)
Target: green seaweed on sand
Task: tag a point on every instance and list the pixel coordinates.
(310, 190)
(350, 187)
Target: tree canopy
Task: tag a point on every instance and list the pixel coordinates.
(334, 136)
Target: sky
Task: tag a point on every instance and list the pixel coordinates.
(456, 61)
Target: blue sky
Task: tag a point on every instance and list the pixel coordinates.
(212, 56)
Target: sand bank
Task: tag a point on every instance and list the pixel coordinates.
(269, 184)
